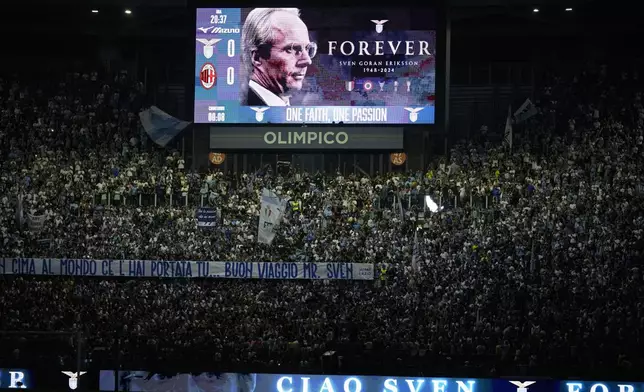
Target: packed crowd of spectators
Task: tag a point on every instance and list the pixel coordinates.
(532, 263)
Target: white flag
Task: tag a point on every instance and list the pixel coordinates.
(36, 222)
(507, 139)
(525, 111)
(400, 207)
(270, 216)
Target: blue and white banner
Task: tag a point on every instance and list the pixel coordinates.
(185, 269)
(15, 379)
(141, 381)
(315, 114)
(207, 217)
(48, 377)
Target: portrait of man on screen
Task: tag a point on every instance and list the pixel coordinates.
(276, 54)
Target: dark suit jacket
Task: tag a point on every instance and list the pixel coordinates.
(252, 99)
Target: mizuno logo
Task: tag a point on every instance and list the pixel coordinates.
(218, 30)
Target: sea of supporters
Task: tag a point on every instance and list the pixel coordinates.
(531, 264)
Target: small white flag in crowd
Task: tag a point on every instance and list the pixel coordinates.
(507, 138)
(525, 111)
(36, 222)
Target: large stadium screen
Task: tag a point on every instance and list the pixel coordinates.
(316, 66)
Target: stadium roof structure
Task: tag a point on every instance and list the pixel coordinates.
(173, 18)
(254, 3)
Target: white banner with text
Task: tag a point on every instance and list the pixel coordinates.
(186, 269)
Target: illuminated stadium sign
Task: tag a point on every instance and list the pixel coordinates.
(15, 379)
(238, 382)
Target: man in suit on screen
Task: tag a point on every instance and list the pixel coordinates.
(276, 53)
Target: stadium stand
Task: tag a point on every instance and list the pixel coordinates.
(532, 266)
(540, 266)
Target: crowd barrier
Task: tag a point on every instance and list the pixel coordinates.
(442, 196)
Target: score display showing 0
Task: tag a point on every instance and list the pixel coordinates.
(230, 71)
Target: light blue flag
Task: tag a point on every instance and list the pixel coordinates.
(160, 126)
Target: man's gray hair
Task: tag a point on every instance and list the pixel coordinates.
(257, 31)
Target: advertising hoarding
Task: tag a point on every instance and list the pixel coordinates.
(260, 382)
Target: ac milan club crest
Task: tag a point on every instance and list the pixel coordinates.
(208, 76)
(349, 85)
(367, 85)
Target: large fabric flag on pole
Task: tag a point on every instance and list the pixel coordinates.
(160, 126)
(270, 216)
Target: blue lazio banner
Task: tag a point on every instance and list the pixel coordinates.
(259, 382)
(185, 269)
